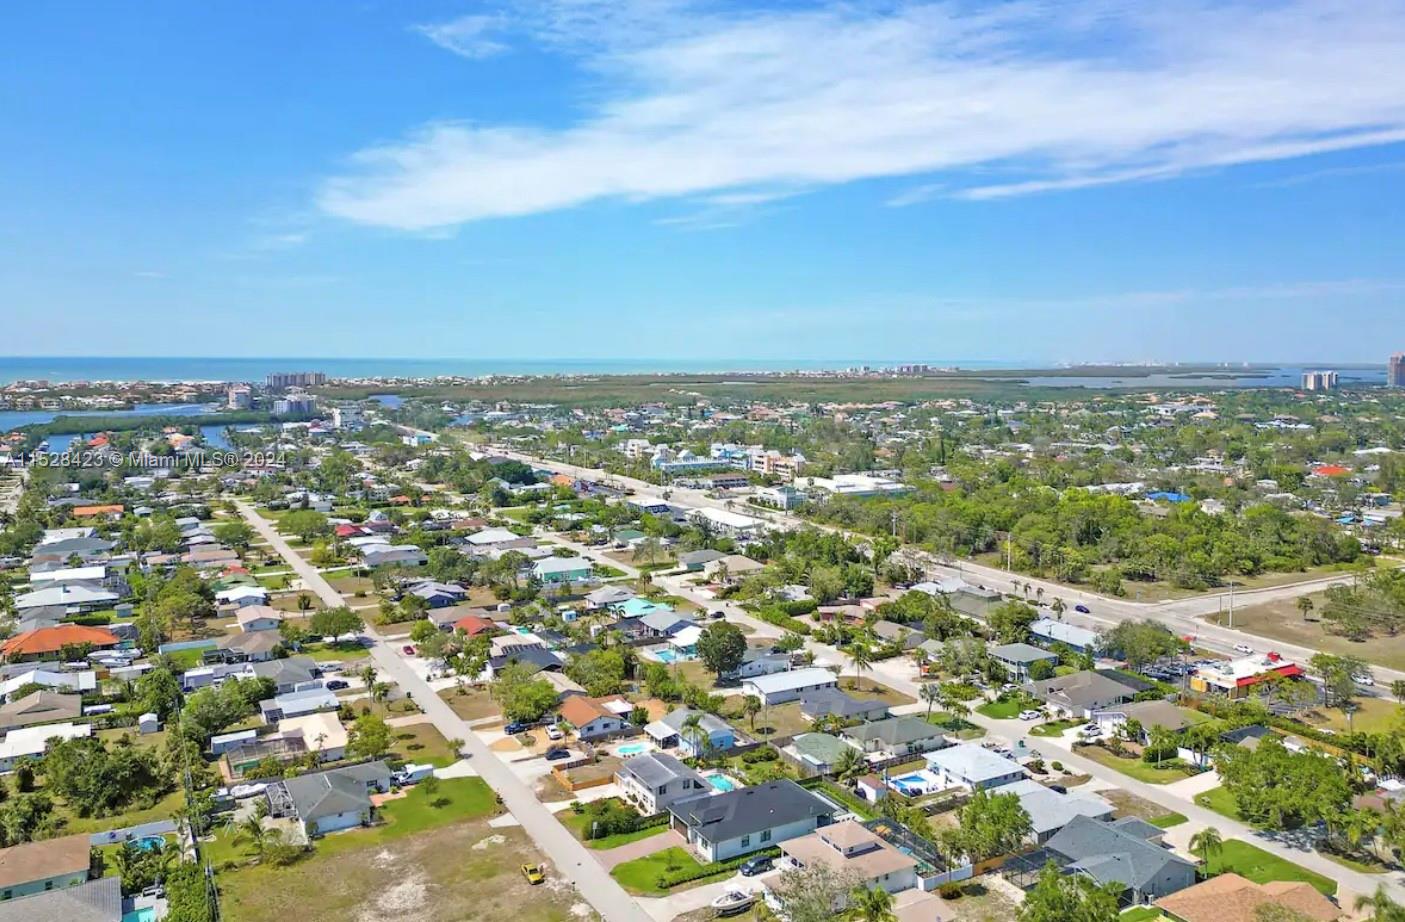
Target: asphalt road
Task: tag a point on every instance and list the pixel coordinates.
(568, 856)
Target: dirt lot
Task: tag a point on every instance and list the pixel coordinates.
(473, 704)
(460, 872)
(1281, 620)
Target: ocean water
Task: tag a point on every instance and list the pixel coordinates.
(126, 368)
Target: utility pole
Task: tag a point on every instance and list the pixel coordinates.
(1231, 605)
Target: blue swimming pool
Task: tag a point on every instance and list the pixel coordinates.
(632, 749)
(147, 843)
(667, 656)
(721, 783)
(145, 914)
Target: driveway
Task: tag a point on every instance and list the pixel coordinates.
(638, 849)
(570, 858)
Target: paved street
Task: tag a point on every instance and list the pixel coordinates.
(568, 856)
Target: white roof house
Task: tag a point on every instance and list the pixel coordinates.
(728, 523)
(1061, 632)
(687, 637)
(780, 687)
(94, 574)
(82, 681)
(64, 596)
(492, 536)
(974, 766)
(243, 595)
(34, 741)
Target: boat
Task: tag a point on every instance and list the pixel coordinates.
(733, 901)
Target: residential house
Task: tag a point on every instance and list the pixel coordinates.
(758, 661)
(591, 719)
(895, 736)
(607, 596)
(815, 753)
(1149, 714)
(748, 819)
(97, 900)
(1079, 694)
(1017, 658)
(289, 674)
(1047, 632)
(47, 643)
(331, 800)
(257, 647)
(695, 561)
(1049, 811)
(399, 555)
(825, 702)
(242, 596)
(904, 636)
(1126, 853)
(975, 767)
(1231, 898)
(322, 733)
(40, 707)
(854, 852)
(298, 704)
(712, 734)
(555, 571)
(18, 675)
(654, 781)
(732, 567)
(32, 742)
(67, 597)
(789, 686)
(437, 594)
(252, 618)
(39, 867)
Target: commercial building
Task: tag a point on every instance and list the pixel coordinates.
(1236, 678)
(239, 397)
(1395, 370)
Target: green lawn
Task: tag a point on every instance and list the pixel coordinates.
(324, 652)
(1141, 914)
(421, 743)
(1006, 709)
(1054, 727)
(1221, 801)
(641, 876)
(465, 798)
(1167, 820)
(163, 809)
(1136, 768)
(1261, 867)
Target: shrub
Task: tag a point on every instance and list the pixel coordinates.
(760, 754)
(949, 891)
(1057, 766)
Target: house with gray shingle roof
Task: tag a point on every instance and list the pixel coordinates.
(656, 780)
(1123, 853)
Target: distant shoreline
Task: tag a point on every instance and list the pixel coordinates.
(68, 370)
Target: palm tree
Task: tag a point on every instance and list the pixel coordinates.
(850, 764)
(873, 904)
(1205, 843)
(750, 706)
(1383, 908)
(931, 693)
(862, 657)
(252, 831)
(1159, 738)
(1305, 606)
(1059, 608)
(368, 675)
(691, 731)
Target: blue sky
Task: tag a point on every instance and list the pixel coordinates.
(1072, 181)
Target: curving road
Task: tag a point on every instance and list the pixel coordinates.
(569, 857)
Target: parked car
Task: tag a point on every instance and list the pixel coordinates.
(557, 752)
(408, 650)
(336, 684)
(1080, 607)
(1029, 715)
(717, 615)
(553, 732)
(757, 866)
(516, 727)
(533, 873)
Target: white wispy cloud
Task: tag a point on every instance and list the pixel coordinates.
(468, 36)
(691, 100)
